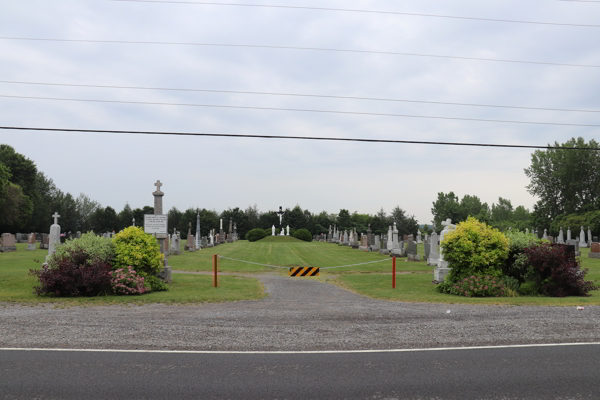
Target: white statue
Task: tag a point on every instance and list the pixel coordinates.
(447, 224)
(273, 231)
(288, 230)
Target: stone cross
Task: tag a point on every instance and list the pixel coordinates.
(133, 221)
(158, 185)
(55, 216)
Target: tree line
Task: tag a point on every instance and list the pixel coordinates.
(567, 183)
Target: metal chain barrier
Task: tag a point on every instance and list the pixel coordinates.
(278, 266)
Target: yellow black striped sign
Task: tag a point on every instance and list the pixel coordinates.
(303, 271)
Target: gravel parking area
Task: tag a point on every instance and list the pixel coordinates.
(297, 315)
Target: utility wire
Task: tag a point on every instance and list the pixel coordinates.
(304, 110)
(230, 135)
(298, 95)
(296, 48)
(359, 11)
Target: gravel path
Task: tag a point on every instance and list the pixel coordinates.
(297, 315)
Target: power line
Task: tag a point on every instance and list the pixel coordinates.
(360, 11)
(297, 48)
(299, 95)
(305, 110)
(231, 135)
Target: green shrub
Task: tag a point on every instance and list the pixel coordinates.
(139, 250)
(96, 249)
(517, 265)
(255, 234)
(474, 249)
(155, 284)
(303, 234)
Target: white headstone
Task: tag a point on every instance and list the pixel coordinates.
(582, 242)
(569, 233)
(561, 237)
(288, 231)
(273, 230)
(54, 237)
(590, 237)
(545, 236)
(390, 243)
(448, 227)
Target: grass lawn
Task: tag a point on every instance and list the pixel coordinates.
(16, 286)
(374, 280)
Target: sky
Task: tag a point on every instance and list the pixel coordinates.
(40, 79)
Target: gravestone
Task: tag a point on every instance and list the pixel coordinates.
(221, 233)
(550, 239)
(230, 235)
(191, 240)
(369, 236)
(31, 241)
(419, 236)
(175, 246)
(442, 269)
(432, 260)
(560, 239)
(412, 251)
(376, 243)
(364, 243)
(395, 244)
(594, 250)
(575, 244)
(198, 232)
(545, 235)
(9, 242)
(78, 235)
(582, 242)
(589, 232)
(165, 274)
(355, 236)
(287, 230)
(569, 233)
(45, 241)
(426, 250)
(54, 237)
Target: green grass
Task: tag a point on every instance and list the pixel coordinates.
(373, 280)
(278, 239)
(16, 286)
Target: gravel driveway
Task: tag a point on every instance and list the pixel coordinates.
(297, 315)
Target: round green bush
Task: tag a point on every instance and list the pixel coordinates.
(255, 234)
(474, 249)
(516, 265)
(140, 250)
(303, 234)
(95, 249)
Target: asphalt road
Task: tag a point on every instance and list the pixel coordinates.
(556, 372)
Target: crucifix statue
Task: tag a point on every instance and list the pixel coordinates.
(280, 213)
(158, 185)
(55, 216)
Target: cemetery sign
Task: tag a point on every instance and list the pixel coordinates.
(156, 225)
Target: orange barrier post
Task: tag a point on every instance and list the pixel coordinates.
(393, 272)
(215, 270)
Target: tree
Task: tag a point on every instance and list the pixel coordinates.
(344, 220)
(566, 181)
(125, 218)
(43, 202)
(446, 206)
(85, 208)
(406, 225)
(471, 206)
(15, 209)
(23, 170)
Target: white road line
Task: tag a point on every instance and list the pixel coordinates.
(302, 352)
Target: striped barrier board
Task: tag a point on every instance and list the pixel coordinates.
(303, 271)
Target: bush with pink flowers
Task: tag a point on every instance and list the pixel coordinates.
(127, 281)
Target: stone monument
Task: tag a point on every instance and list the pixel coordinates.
(221, 233)
(165, 275)
(198, 237)
(54, 237)
(230, 235)
(8, 242)
(561, 238)
(442, 268)
(582, 242)
(31, 241)
(273, 230)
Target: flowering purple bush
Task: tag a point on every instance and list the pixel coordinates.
(71, 275)
(474, 286)
(127, 281)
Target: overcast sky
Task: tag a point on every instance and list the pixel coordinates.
(218, 173)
